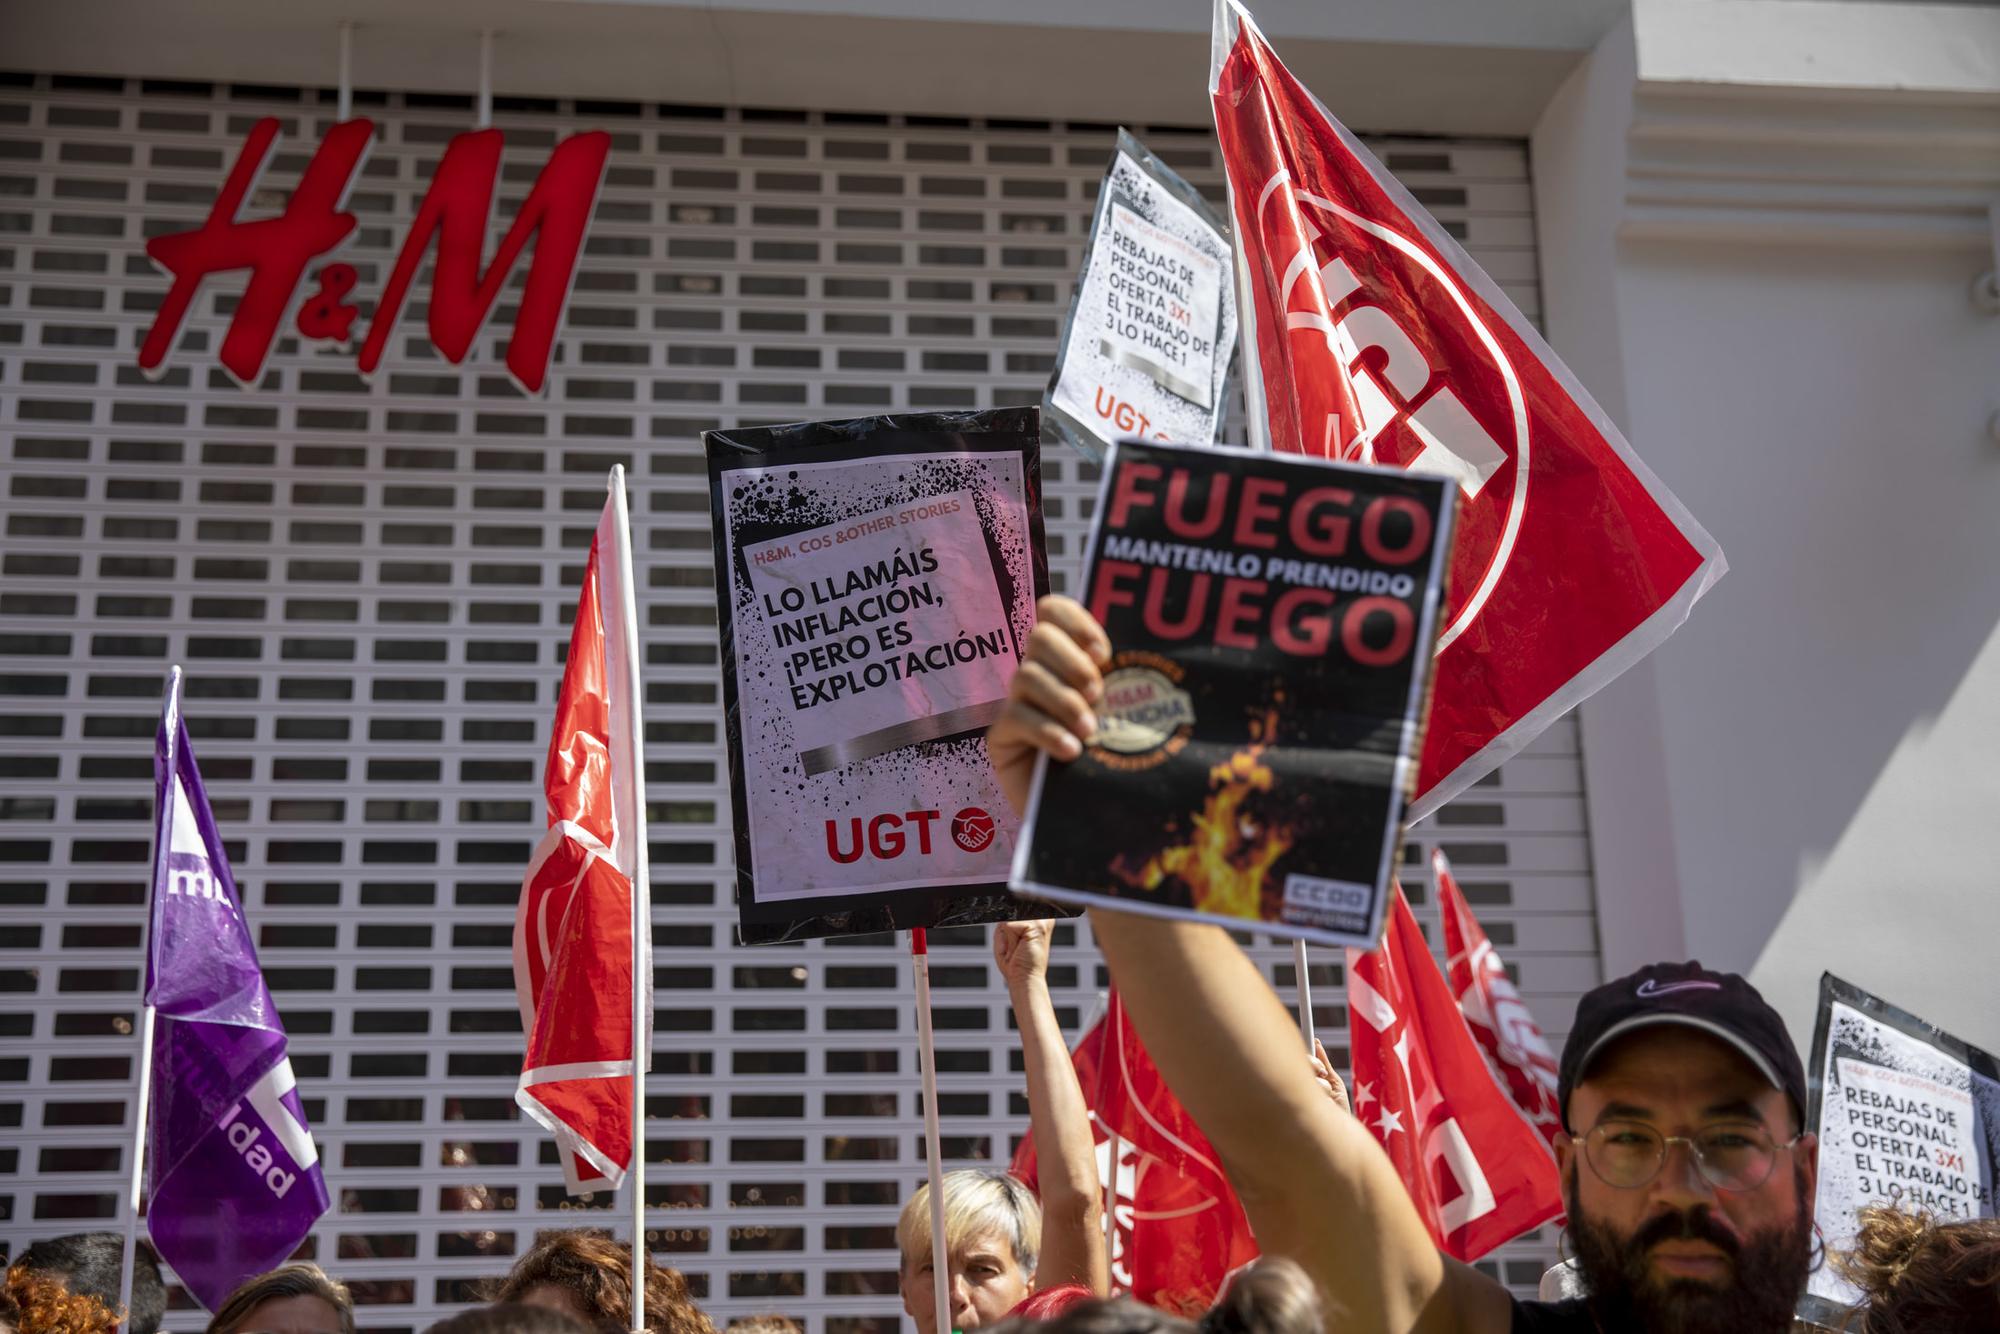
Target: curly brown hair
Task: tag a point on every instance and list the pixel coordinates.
(597, 1272)
(765, 1324)
(47, 1306)
(1922, 1275)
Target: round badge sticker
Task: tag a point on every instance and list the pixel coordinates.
(1145, 716)
(972, 829)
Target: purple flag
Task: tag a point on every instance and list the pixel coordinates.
(235, 1178)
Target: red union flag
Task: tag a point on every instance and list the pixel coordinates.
(1500, 1021)
(1177, 1229)
(1476, 1171)
(574, 963)
(1375, 338)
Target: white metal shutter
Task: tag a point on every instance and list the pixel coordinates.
(369, 586)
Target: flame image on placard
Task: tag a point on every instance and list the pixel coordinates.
(1225, 862)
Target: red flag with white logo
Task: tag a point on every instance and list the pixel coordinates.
(1500, 1021)
(1477, 1172)
(574, 962)
(1177, 1229)
(1373, 337)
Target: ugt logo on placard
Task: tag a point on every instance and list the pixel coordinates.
(455, 212)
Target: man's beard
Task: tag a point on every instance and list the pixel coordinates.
(1769, 1273)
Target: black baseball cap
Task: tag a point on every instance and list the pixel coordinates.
(1722, 1005)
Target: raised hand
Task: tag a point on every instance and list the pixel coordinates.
(1051, 697)
(1323, 1071)
(1022, 951)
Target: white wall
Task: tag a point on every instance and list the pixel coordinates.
(1578, 147)
(1909, 890)
(1823, 412)
(1798, 358)
(1417, 66)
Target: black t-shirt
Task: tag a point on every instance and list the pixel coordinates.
(1570, 1317)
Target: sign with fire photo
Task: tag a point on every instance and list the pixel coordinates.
(1272, 623)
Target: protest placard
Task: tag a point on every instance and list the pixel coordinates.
(1907, 1115)
(875, 580)
(1271, 622)
(1145, 350)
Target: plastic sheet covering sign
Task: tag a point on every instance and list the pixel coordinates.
(1152, 322)
(1270, 623)
(1373, 337)
(1907, 1115)
(876, 580)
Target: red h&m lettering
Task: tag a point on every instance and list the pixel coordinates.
(275, 250)
(456, 209)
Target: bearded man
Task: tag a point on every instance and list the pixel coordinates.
(1686, 1169)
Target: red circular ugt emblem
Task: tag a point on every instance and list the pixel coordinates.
(972, 829)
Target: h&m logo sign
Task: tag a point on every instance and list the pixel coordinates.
(454, 213)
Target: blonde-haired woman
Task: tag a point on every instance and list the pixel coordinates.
(1003, 1243)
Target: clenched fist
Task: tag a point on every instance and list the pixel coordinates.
(1022, 950)
(1051, 698)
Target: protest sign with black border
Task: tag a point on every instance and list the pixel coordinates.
(1272, 621)
(875, 581)
(1151, 329)
(1907, 1115)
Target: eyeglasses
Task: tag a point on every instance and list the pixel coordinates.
(1732, 1155)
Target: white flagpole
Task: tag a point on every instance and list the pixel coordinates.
(642, 892)
(1256, 419)
(163, 823)
(933, 1150)
(143, 1108)
(1305, 996)
(1117, 1147)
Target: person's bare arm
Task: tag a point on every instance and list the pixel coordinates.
(1065, 1147)
(1317, 1188)
(1314, 1184)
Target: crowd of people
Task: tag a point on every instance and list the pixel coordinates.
(1919, 1276)
(571, 1280)
(1687, 1165)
